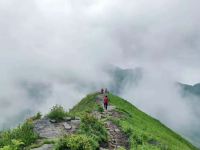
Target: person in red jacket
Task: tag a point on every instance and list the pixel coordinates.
(105, 102)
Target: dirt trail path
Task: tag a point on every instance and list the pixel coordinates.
(117, 138)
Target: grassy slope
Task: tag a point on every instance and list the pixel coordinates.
(144, 129)
(141, 128)
(87, 104)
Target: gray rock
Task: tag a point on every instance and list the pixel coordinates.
(67, 126)
(49, 130)
(67, 118)
(45, 147)
(117, 130)
(76, 122)
(97, 115)
(46, 129)
(53, 121)
(77, 118)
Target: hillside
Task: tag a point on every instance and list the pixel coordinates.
(88, 127)
(144, 131)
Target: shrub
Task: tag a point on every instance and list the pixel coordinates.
(76, 142)
(15, 145)
(35, 117)
(57, 113)
(138, 139)
(100, 108)
(23, 133)
(94, 128)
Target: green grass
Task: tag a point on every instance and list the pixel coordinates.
(90, 127)
(143, 129)
(93, 128)
(76, 142)
(87, 104)
(145, 132)
(22, 134)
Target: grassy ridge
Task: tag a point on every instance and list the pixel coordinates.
(145, 132)
(87, 104)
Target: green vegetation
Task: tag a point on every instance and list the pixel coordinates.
(87, 104)
(15, 145)
(22, 135)
(36, 117)
(57, 113)
(76, 142)
(90, 134)
(93, 128)
(41, 142)
(145, 132)
(100, 108)
(121, 148)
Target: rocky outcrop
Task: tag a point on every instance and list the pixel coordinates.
(49, 129)
(117, 138)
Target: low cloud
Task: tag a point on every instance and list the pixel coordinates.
(55, 52)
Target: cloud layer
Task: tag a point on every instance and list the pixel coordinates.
(56, 51)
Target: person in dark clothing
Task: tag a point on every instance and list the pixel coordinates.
(102, 91)
(106, 91)
(106, 102)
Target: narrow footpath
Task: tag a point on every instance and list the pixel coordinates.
(117, 138)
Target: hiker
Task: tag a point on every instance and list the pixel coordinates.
(105, 102)
(106, 90)
(102, 91)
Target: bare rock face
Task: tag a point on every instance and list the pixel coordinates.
(48, 129)
(45, 147)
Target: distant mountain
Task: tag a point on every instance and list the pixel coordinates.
(123, 78)
(188, 90)
(191, 95)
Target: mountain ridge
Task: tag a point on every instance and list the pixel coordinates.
(121, 104)
(88, 126)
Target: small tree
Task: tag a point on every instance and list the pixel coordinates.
(57, 113)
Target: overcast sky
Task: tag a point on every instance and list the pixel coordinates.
(53, 46)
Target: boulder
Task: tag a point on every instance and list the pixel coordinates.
(117, 130)
(68, 118)
(53, 121)
(67, 126)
